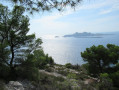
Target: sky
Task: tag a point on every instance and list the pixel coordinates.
(89, 16)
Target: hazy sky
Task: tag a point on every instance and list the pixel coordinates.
(89, 16)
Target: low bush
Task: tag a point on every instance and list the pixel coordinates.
(2, 85)
(72, 76)
(68, 65)
(29, 73)
(4, 72)
(115, 78)
(49, 69)
(76, 67)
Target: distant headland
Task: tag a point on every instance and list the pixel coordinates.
(86, 35)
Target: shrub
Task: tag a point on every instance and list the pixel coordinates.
(115, 78)
(71, 76)
(26, 72)
(106, 82)
(68, 65)
(76, 67)
(100, 58)
(2, 85)
(49, 69)
(4, 72)
(63, 72)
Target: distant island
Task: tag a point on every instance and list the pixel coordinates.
(56, 36)
(86, 35)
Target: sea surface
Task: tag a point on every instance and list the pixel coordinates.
(68, 50)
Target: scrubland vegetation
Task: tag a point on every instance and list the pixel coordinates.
(22, 58)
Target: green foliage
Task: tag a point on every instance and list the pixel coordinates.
(21, 54)
(68, 65)
(29, 68)
(39, 59)
(48, 82)
(62, 70)
(104, 75)
(45, 5)
(14, 41)
(48, 69)
(65, 73)
(4, 72)
(103, 62)
(115, 78)
(27, 72)
(2, 85)
(106, 82)
(100, 58)
(85, 68)
(71, 76)
(116, 68)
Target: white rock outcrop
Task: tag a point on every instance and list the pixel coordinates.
(14, 85)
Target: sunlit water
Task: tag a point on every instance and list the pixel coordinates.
(67, 50)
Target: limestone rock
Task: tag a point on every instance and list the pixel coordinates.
(14, 85)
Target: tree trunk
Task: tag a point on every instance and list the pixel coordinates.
(12, 58)
(12, 67)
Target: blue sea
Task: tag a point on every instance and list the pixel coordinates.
(68, 50)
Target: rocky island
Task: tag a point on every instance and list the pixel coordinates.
(56, 36)
(85, 35)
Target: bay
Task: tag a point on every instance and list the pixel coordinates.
(68, 50)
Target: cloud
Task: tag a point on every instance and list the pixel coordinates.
(94, 5)
(52, 24)
(113, 5)
(91, 6)
(49, 24)
(106, 11)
